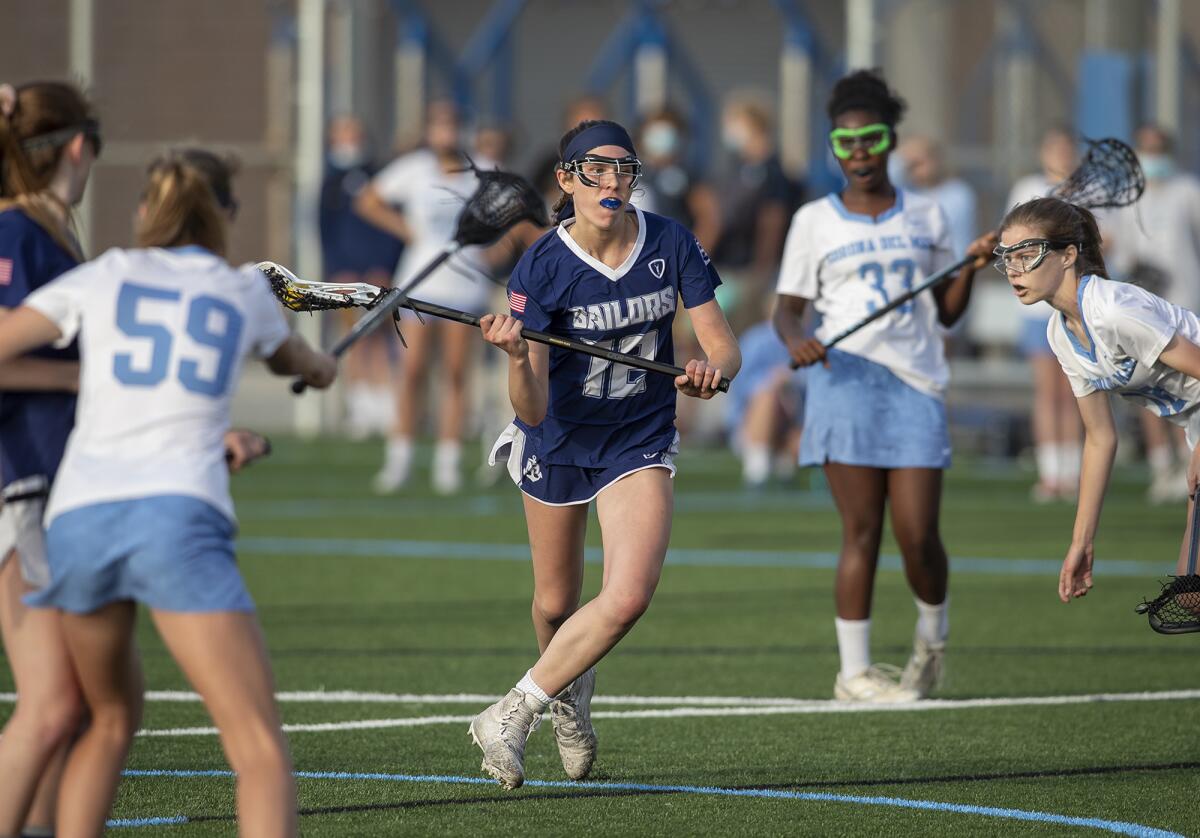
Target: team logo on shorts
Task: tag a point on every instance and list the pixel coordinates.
(658, 267)
(533, 470)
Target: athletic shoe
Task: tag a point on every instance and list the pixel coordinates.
(571, 717)
(926, 667)
(447, 480)
(879, 684)
(397, 466)
(501, 732)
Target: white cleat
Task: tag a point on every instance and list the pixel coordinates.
(501, 732)
(879, 684)
(926, 667)
(394, 474)
(571, 717)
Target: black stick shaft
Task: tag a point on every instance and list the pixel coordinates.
(936, 279)
(1194, 541)
(382, 311)
(561, 342)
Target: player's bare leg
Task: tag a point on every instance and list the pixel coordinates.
(409, 392)
(104, 658)
(635, 523)
(915, 495)
(458, 347)
(36, 737)
(556, 536)
(224, 657)
(859, 492)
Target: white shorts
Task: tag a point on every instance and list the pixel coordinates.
(21, 529)
(462, 284)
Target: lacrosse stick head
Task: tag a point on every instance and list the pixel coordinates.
(501, 200)
(1109, 176)
(303, 295)
(1176, 610)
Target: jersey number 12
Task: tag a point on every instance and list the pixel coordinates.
(620, 380)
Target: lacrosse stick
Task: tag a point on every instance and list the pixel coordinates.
(306, 295)
(1109, 176)
(501, 200)
(1176, 610)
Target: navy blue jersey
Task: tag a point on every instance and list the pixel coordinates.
(349, 242)
(601, 412)
(33, 426)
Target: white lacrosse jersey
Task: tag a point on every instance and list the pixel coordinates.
(162, 335)
(431, 200)
(1129, 327)
(851, 265)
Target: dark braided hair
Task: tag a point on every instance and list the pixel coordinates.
(866, 90)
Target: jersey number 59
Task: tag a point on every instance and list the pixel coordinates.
(211, 322)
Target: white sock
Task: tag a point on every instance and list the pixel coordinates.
(399, 453)
(756, 465)
(1047, 462)
(1070, 458)
(529, 687)
(933, 621)
(854, 645)
(1160, 460)
(446, 455)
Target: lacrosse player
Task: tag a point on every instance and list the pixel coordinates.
(588, 428)
(49, 138)
(1109, 337)
(875, 418)
(429, 186)
(140, 509)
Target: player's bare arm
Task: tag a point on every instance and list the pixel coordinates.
(719, 344)
(1099, 449)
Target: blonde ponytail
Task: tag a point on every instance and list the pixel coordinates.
(187, 201)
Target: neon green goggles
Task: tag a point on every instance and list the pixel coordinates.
(876, 138)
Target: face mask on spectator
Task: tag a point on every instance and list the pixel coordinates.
(346, 156)
(1157, 166)
(661, 139)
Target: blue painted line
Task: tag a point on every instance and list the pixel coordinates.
(481, 551)
(1116, 827)
(118, 823)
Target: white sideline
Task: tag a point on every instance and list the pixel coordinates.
(672, 707)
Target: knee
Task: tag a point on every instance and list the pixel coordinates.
(259, 751)
(863, 537)
(920, 545)
(52, 722)
(626, 607)
(114, 723)
(553, 609)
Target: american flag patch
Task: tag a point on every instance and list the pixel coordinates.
(517, 301)
(5, 271)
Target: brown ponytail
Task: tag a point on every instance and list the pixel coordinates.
(37, 120)
(1063, 224)
(187, 200)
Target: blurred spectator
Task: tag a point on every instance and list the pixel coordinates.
(354, 251)
(1156, 244)
(924, 172)
(756, 200)
(764, 408)
(1056, 424)
(429, 186)
(671, 188)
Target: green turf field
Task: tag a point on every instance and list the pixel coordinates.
(423, 598)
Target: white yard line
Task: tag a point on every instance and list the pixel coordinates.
(790, 708)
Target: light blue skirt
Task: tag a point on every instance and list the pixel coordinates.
(860, 413)
(170, 552)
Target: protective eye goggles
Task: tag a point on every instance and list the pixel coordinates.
(591, 169)
(1024, 256)
(876, 138)
(90, 128)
